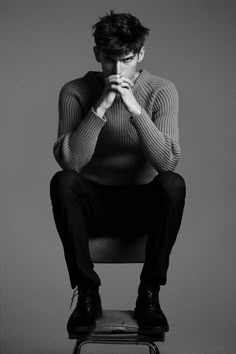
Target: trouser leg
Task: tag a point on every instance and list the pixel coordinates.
(73, 214)
(166, 195)
(156, 208)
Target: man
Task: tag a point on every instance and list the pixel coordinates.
(118, 147)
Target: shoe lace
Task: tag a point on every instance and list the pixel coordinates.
(153, 298)
(75, 293)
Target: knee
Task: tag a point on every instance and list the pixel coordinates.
(62, 182)
(172, 186)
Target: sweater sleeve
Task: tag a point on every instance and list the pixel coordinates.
(77, 134)
(159, 137)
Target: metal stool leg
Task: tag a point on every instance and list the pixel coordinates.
(77, 347)
(79, 344)
(153, 348)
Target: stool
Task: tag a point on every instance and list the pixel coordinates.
(119, 326)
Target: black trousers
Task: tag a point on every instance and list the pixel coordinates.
(81, 208)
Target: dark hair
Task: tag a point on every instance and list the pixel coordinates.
(119, 33)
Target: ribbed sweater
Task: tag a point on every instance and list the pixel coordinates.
(118, 148)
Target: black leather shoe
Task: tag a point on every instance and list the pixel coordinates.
(148, 312)
(87, 310)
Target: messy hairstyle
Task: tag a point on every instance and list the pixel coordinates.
(119, 34)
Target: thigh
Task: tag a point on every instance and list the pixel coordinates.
(122, 209)
(126, 209)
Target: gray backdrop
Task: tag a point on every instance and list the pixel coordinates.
(43, 45)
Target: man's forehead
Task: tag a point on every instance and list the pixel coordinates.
(118, 57)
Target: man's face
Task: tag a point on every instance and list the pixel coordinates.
(125, 64)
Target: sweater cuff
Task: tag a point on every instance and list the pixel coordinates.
(102, 118)
(136, 117)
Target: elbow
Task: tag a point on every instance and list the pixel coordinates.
(67, 163)
(168, 160)
(67, 160)
(168, 165)
(60, 157)
(63, 157)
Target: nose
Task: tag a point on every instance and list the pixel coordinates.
(117, 67)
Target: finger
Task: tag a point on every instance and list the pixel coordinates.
(126, 85)
(114, 80)
(116, 88)
(121, 89)
(126, 80)
(114, 77)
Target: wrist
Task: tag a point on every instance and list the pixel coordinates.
(99, 110)
(136, 111)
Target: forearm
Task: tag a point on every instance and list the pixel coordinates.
(160, 147)
(75, 149)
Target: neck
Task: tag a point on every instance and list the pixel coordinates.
(136, 75)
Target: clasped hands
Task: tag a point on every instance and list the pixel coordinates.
(118, 85)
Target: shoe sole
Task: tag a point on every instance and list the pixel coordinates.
(81, 330)
(150, 329)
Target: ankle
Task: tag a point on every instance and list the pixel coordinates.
(87, 289)
(148, 287)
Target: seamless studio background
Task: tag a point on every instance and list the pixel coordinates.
(45, 44)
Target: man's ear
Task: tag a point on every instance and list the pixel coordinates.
(141, 54)
(96, 52)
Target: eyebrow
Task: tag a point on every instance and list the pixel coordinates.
(129, 57)
(112, 58)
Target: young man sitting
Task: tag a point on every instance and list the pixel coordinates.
(118, 148)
